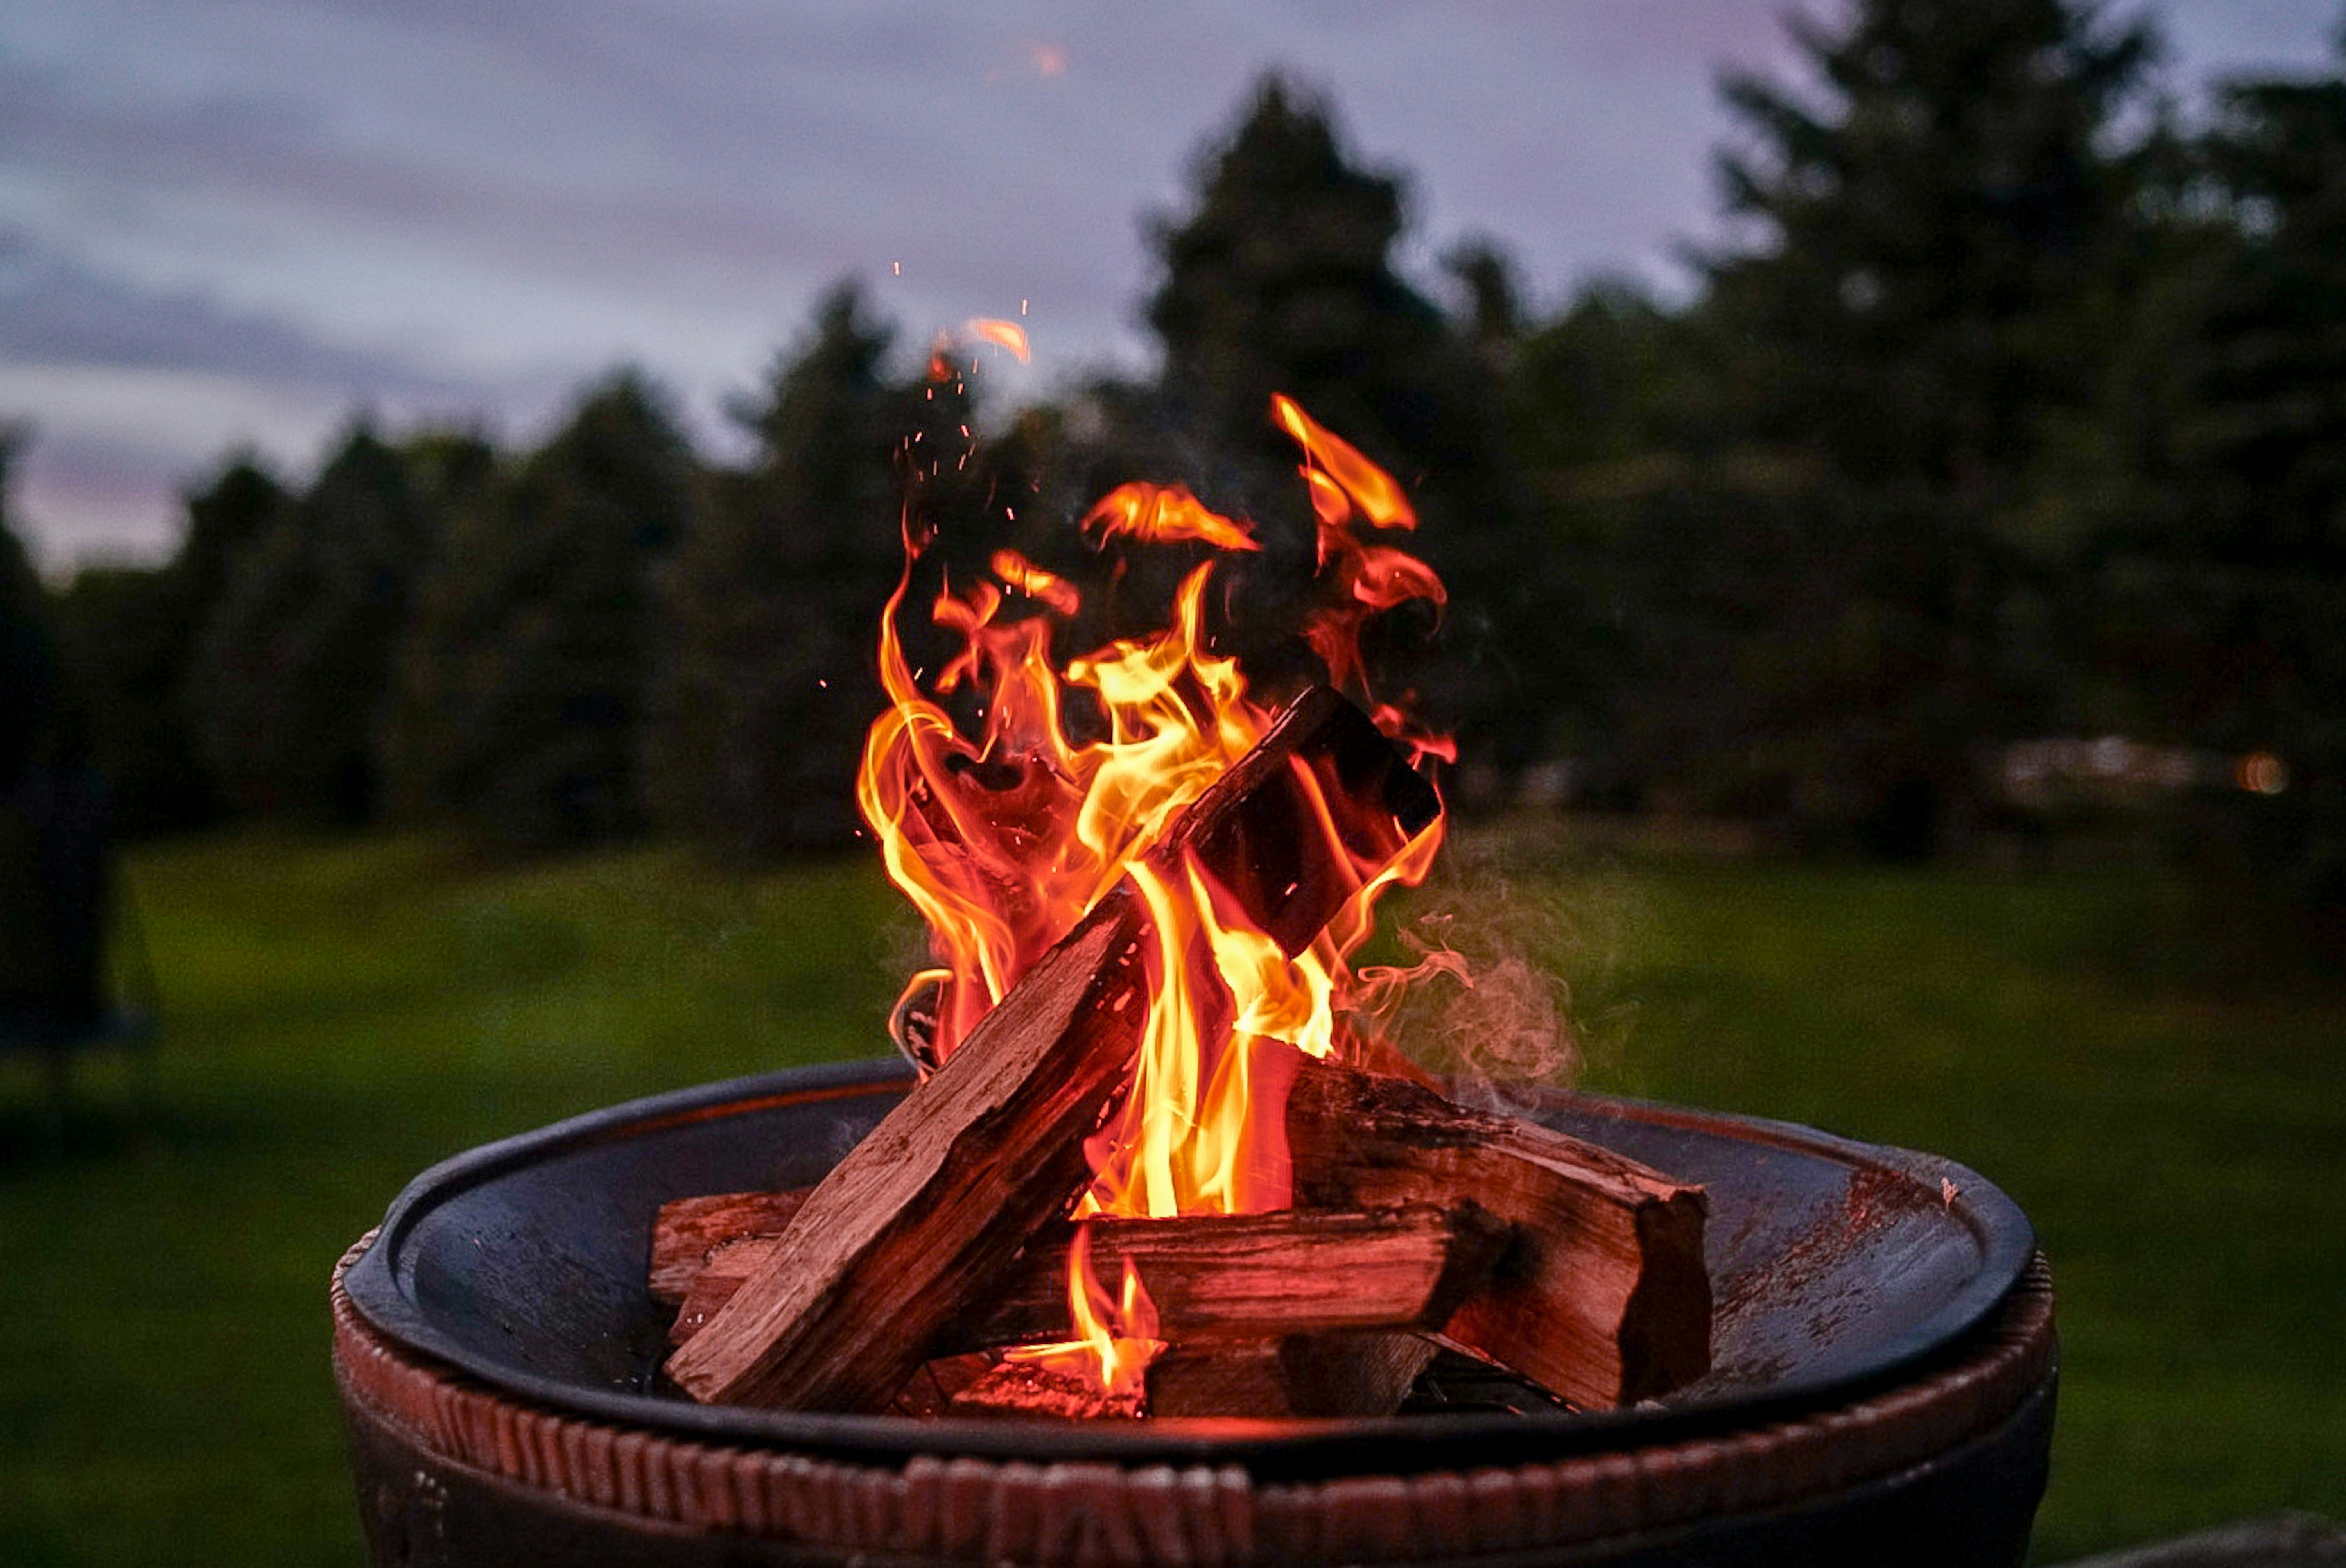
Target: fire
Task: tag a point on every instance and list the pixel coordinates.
(1114, 1337)
(1006, 836)
(1003, 334)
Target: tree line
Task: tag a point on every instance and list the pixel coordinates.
(2013, 406)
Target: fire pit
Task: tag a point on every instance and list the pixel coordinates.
(1880, 1386)
(1170, 1206)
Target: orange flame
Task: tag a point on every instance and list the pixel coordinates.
(1036, 583)
(1162, 514)
(1002, 334)
(1005, 837)
(1114, 1338)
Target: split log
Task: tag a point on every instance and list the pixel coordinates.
(1602, 1297)
(1210, 1277)
(1301, 1375)
(932, 1390)
(688, 1230)
(925, 1215)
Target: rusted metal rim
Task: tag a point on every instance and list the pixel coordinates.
(982, 1510)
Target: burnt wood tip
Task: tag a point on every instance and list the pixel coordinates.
(1323, 763)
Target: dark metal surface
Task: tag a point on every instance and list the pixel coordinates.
(1838, 1268)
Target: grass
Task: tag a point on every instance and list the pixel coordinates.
(2164, 1098)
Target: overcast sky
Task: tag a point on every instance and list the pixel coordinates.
(235, 220)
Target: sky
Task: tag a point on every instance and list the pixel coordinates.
(236, 222)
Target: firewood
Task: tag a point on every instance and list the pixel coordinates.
(921, 1220)
(1299, 1376)
(688, 1230)
(1602, 1297)
(1018, 1387)
(1209, 1276)
(931, 1390)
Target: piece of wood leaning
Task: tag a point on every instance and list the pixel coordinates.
(1603, 1296)
(924, 1217)
(1210, 1277)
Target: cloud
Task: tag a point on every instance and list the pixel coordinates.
(342, 193)
(112, 446)
(56, 310)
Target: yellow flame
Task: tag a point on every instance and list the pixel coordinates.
(1005, 837)
(1164, 514)
(1002, 334)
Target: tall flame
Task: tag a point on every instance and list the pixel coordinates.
(1005, 838)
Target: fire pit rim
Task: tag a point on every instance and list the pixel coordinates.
(1297, 1447)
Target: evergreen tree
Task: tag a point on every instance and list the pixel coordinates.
(1612, 415)
(133, 632)
(292, 661)
(766, 685)
(1936, 232)
(54, 828)
(32, 696)
(1281, 278)
(524, 679)
(2222, 555)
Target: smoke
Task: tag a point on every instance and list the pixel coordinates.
(1507, 989)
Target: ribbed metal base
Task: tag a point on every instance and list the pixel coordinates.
(1943, 1468)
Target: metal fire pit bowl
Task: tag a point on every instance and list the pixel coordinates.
(1881, 1388)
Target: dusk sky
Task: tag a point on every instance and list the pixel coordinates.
(229, 222)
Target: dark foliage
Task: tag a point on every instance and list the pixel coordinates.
(524, 677)
(2219, 580)
(1937, 228)
(2012, 410)
(132, 632)
(765, 685)
(1283, 277)
(292, 660)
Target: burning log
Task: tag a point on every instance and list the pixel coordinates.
(1602, 1297)
(1017, 1387)
(924, 1217)
(1213, 1278)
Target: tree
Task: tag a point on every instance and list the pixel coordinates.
(54, 828)
(292, 661)
(524, 679)
(133, 631)
(1613, 412)
(766, 685)
(35, 703)
(1934, 237)
(1281, 278)
(2221, 551)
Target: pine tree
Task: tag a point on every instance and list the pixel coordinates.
(766, 684)
(2222, 557)
(32, 699)
(526, 678)
(1283, 279)
(132, 631)
(292, 666)
(1933, 234)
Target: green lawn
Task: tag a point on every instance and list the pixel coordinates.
(2162, 1097)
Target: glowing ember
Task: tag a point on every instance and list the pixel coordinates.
(1005, 838)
